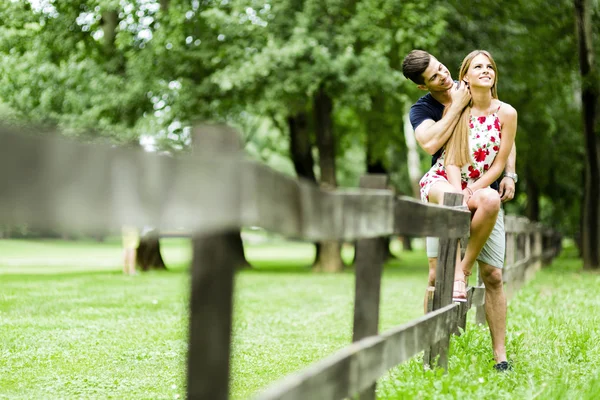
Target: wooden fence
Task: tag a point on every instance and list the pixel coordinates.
(55, 183)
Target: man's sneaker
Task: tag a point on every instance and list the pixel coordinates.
(503, 366)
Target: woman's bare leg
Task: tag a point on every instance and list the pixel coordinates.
(484, 205)
(436, 195)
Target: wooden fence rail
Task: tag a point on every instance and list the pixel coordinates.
(49, 182)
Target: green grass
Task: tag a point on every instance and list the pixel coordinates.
(553, 341)
(71, 326)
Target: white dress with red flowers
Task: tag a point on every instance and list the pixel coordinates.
(484, 142)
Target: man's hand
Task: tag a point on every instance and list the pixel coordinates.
(460, 94)
(507, 189)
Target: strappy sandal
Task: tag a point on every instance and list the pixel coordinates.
(459, 291)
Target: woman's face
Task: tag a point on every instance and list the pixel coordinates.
(481, 72)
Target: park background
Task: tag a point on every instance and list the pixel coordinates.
(315, 89)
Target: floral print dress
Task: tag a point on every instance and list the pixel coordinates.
(484, 142)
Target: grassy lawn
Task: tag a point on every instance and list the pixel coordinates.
(71, 326)
(553, 342)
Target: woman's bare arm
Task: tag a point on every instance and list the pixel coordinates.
(508, 117)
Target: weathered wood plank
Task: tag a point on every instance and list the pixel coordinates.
(515, 224)
(415, 218)
(463, 309)
(66, 185)
(299, 209)
(427, 354)
(478, 296)
(511, 250)
(368, 268)
(480, 317)
(444, 282)
(54, 182)
(211, 302)
(357, 366)
(370, 254)
(209, 139)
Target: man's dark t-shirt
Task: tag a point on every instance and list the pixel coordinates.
(429, 108)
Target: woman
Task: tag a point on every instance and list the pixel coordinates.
(479, 145)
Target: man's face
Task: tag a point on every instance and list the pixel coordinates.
(437, 77)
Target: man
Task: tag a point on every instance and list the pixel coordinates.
(432, 130)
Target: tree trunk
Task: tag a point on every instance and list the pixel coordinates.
(407, 243)
(148, 252)
(115, 62)
(301, 153)
(589, 96)
(110, 21)
(329, 259)
(532, 210)
(215, 139)
(239, 250)
(301, 147)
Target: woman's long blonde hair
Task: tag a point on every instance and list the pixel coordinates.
(457, 147)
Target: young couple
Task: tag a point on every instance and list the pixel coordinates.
(471, 135)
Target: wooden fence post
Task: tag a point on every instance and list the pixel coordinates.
(444, 283)
(211, 303)
(511, 250)
(528, 243)
(427, 354)
(480, 317)
(214, 260)
(511, 257)
(368, 267)
(546, 245)
(519, 247)
(537, 247)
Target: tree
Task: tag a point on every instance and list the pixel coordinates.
(324, 58)
(541, 85)
(589, 97)
(147, 255)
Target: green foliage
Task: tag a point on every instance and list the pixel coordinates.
(173, 62)
(534, 45)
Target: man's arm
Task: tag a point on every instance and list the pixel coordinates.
(507, 185)
(511, 162)
(432, 135)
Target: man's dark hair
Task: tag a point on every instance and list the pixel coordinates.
(414, 64)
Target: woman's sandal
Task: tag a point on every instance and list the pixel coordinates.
(459, 291)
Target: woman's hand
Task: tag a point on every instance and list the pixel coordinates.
(467, 193)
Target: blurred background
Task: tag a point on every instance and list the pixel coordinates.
(314, 86)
